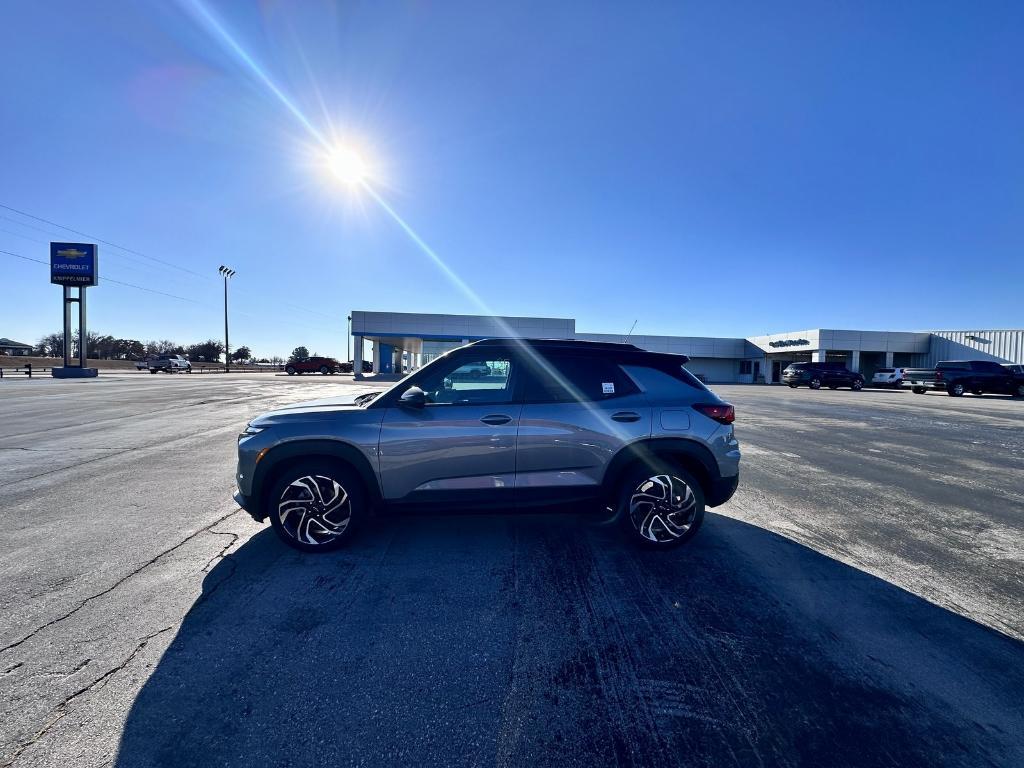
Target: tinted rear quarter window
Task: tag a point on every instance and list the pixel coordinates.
(575, 378)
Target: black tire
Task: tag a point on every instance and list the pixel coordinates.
(152, 370)
(815, 384)
(793, 386)
(977, 392)
(918, 390)
(324, 370)
(665, 529)
(956, 389)
(306, 489)
(857, 385)
(290, 370)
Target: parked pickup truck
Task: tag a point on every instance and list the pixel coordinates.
(169, 364)
(958, 376)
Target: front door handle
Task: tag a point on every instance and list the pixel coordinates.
(496, 419)
(626, 416)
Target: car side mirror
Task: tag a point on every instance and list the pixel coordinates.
(413, 397)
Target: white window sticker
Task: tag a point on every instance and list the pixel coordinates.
(607, 388)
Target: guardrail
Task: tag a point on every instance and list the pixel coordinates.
(26, 370)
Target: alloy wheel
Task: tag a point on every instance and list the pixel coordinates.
(662, 508)
(314, 509)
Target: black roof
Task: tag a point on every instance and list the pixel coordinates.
(580, 344)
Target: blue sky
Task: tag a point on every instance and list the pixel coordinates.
(706, 169)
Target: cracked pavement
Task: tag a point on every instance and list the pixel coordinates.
(858, 603)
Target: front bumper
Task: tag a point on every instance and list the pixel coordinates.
(249, 505)
(925, 384)
(721, 490)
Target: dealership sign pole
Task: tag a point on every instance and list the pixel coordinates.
(74, 265)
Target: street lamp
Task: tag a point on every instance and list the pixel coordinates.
(348, 341)
(226, 273)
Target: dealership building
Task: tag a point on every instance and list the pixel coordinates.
(402, 341)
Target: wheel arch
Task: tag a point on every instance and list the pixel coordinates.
(688, 454)
(286, 455)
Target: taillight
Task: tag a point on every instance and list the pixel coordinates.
(723, 413)
(938, 375)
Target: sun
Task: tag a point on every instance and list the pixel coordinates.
(347, 165)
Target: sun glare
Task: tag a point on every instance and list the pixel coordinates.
(347, 165)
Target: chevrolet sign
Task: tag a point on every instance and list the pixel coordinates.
(789, 343)
(74, 264)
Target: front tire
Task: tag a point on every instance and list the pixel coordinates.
(290, 370)
(660, 507)
(918, 390)
(815, 384)
(324, 370)
(956, 389)
(793, 386)
(315, 506)
(857, 385)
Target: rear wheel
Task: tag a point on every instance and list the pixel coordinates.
(324, 370)
(316, 506)
(956, 389)
(793, 386)
(857, 385)
(290, 370)
(977, 392)
(152, 370)
(918, 390)
(660, 506)
(815, 384)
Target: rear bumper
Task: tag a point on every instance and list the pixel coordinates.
(721, 490)
(925, 384)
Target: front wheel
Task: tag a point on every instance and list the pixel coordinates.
(324, 370)
(661, 507)
(793, 386)
(918, 390)
(290, 370)
(857, 385)
(316, 506)
(956, 389)
(815, 384)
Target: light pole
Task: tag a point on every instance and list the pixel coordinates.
(348, 341)
(226, 273)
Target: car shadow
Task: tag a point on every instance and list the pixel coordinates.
(548, 640)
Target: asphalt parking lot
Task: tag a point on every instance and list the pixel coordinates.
(860, 601)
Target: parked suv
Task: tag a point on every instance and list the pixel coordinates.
(955, 377)
(814, 375)
(888, 377)
(324, 365)
(554, 423)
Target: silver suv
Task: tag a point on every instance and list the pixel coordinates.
(551, 423)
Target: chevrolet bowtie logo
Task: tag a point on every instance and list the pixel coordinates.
(71, 253)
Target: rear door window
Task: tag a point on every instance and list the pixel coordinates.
(572, 378)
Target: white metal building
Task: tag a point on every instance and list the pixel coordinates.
(403, 341)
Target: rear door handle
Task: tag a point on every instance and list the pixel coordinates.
(496, 419)
(626, 416)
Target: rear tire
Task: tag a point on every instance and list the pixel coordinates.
(955, 389)
(792, 386)
(977, 392)
(918, 390)
(857, 385)
(316, 506)
(324, 370)
(660, 506)
(152, 370)
(290, 370)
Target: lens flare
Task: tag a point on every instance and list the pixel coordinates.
(348, 166)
